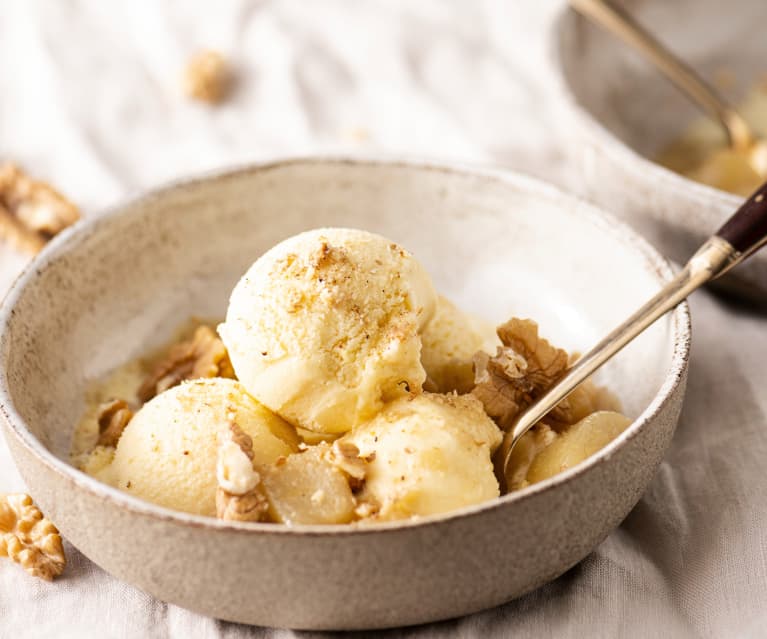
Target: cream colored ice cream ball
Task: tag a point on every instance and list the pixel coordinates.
(324, 328)
(430, 454)
(167, 453)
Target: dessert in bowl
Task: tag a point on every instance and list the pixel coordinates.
(648, 153)
(342, 389)
(497, 244)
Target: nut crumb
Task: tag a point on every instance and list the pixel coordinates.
(346, 457)
(113, 417)
(202, 356)
(31, 211)
(365, 510)
(251, 504)
(29, 539)
(207, 77)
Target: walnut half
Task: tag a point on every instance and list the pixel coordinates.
(202, 356)
(29, 539)
(524, 367)
(522, 370)
(31, 212)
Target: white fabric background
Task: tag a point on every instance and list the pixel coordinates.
(90, 100)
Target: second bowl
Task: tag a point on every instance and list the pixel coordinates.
(626, 113)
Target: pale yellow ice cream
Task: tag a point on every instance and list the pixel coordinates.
(450, 340)
(167, 453)
(432, 455)
(324, 327)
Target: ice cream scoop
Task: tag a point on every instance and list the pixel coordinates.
(167, 454)
(324, 328)
(429, 454)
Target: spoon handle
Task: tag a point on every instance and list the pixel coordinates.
(743, 234)
(618, 22)
(746, 230)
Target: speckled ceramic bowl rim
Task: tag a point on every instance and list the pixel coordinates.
(681, 330)
(619, 152)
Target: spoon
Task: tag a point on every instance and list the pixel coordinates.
(742, 235)
(741, 137)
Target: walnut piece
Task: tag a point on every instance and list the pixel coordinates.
(113, 417)
(29, 539)
(202, 356)
(346, 457)
(240, 495)
(31, 212)
(522, 368)
(207, 77)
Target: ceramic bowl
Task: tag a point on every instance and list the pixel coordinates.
(626, 113)
(498, 244)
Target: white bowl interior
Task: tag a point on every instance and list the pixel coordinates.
(621, 91)
(498, 245)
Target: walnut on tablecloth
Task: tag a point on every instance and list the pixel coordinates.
(29, 539)
(31, 211)
(207, 77)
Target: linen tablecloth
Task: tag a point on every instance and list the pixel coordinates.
(90, 100)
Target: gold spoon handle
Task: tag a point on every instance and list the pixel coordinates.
(743, 234)
(617, 21)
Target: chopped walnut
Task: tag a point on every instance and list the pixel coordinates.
(240, 494)
(207, 77)
(366, 510)
(346, 457)
(31, 212)
(202, 356)
(113, 417)
(524, 367)
(29, 539)
(252, 506)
